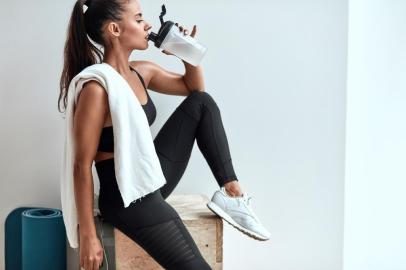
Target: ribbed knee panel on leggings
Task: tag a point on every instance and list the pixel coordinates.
(166, 242)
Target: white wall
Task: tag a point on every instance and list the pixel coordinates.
(276, 68)
(375, 180)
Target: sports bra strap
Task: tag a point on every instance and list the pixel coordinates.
(139, 76)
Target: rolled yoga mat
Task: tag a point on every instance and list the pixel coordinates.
(12, 239)
(43, 239)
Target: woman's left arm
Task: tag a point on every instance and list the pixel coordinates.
(193, 77)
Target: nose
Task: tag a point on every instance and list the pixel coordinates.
(148, 26)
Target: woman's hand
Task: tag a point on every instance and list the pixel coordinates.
(91, 253)
(185, 32)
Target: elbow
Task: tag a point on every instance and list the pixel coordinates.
(194, 88)
(79, 169)
(197, 90)
(82, 164)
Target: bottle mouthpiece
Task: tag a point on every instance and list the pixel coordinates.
(152, 36)
(158, 38)
(163, 12)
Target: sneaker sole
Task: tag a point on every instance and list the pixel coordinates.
(218, 211)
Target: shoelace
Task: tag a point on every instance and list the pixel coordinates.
(247, 200)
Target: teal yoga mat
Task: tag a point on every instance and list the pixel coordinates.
(43, 239)
(39, 239)
(12, 239)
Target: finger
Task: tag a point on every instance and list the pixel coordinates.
(96, 264)
(180, 28)
(193, 31)
(101, 260)
(89, 264)
(84, 263)
(82, 260)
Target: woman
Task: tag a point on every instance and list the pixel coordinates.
(152, 223)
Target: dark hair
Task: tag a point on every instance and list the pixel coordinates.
(79, 51)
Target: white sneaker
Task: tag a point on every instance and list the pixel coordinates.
(238, 212)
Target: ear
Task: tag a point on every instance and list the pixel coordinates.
(113, 29)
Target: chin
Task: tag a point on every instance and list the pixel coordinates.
(141, 48)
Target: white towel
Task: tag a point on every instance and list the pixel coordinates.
(137, 167)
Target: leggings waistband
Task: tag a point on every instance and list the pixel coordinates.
(109, 188)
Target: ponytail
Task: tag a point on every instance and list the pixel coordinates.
(79, 51)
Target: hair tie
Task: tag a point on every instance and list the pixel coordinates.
(86, 3)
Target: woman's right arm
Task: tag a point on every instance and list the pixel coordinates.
(90, 113)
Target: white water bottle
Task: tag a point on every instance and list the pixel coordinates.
(171, 39)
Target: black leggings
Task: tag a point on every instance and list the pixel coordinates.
(152, 222)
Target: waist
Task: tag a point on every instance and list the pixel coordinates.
(109, 189)
(105, 170)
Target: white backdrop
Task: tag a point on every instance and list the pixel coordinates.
(277, 69)
(375, 182)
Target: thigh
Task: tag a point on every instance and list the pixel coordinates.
(176, 137)
(173, 144)
(169, 243)
(156, 227)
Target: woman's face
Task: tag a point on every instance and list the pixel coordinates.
(133, 28)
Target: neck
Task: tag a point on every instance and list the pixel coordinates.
(118, 59)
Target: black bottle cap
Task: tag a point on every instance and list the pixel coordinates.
(163, 31)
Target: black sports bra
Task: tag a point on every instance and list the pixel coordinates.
(106, 143)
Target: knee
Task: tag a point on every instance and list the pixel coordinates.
(202, 97)
(197, 102)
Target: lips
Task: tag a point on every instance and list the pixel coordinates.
(146, 37)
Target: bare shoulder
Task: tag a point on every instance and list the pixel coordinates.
(93, 95)
(161, 80)
(145, 68)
